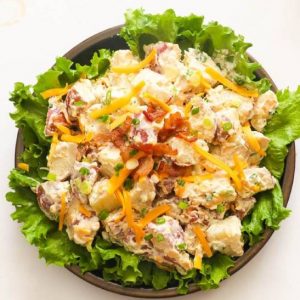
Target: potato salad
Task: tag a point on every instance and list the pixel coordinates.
(159, 155)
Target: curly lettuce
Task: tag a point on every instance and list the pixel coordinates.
(112, 262)
(190, 32)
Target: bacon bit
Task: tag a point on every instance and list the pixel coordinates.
(202, 239)
(145, 167)
(87, 213)
(184, 136)
(173, 126)
(62, 212)
(154, 113)
(173, 170)
(158, 149)
(118, 138)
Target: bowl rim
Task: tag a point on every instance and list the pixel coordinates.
(286, 184)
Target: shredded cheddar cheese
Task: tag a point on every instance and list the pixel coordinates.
(62, 211)
(135, 68)
(229, 84)
(117, 103)
(197, 262)
(187, 109)
(139, 233)
(23, 166)
(219, 163)
(239, 166)
(55, 92)
(120, 198)
(202, 239)
(87, 213)
(158, 102)
(153, 214)
(118, 121)
(252, 141)
(78, 139)
(116, 181)
(63, 129)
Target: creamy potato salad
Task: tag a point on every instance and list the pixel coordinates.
(159, 155)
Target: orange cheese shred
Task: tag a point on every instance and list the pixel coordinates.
(135, 68)
(229, 84)
(202, 239)
(120, 197)
(116, 181)
(219, 163)
(239, 166)
(197, 262)
(62, 212)
(158, 102)
(87, 213)
(55, 92)
(153, 214)
(252, 141)
(139, 233)
(63, 129)
(117, 103)
(23, 166)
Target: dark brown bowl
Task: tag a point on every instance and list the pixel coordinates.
(110, 40)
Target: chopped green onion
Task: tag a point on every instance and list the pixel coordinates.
(220, 208)
(79, 103)
(148, 236)
(181, 246)
(83, 186)
(103, 214)
(107, 100)
(84, 171)
(51, 177)
(136, 121)
(207, 123)
(195, 110)
(160, 220)
(104, 118)
(227, 126)
(118, 167)
(144, 211)
(180, 182)
(133, 152)
(160, 237)
(183, 204)
(128, 184)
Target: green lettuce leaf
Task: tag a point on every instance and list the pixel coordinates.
(141, 29)
(214, 270)
(111, 261)
(268, 212)
(283, 128)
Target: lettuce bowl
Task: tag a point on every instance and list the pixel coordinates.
(82, 53)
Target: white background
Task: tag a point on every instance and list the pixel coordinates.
(48, 28)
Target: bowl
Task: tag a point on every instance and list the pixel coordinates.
(82, 53)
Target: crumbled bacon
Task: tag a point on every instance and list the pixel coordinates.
(186, 137)
(54, 117)
(145, 167)
(173, 125)
(173, 170)
(119, 136)
(158, 149)
(154, 113)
